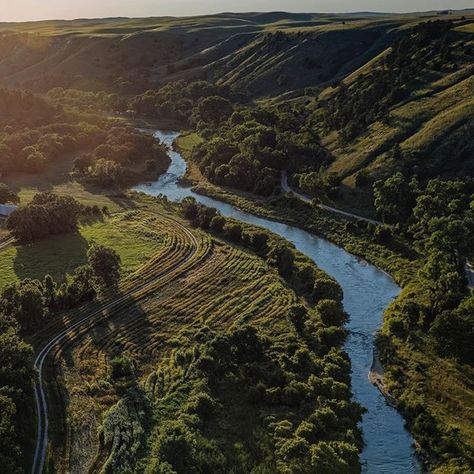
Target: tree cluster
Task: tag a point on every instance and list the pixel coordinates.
(250, 149)
(439, 218)
(29, 302)
(181, 100)
(47, 214)
(110, 163)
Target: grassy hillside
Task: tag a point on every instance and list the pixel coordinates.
(132, 55)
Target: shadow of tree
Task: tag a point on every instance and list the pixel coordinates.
(56, 255)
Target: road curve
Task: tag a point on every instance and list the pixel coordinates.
(287, 189)
(39, 388)
(7, 242)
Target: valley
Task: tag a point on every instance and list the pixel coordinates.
(237, 243)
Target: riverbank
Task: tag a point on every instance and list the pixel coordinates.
(367, 291)
(426, 387)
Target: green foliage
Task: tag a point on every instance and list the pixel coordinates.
(105, 264)
(123, 432)
(453, 332)
(16, 401)
(331, 312)
(254, 407)
(122, 366)
(7, 195)
(395, 198)
(177, 100)
(47, 214)
(249, 150)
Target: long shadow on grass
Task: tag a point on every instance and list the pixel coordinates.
(56, 255)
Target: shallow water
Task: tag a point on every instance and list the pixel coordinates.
(367, 292)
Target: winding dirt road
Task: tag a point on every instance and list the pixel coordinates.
(85, 323)
(287, 189)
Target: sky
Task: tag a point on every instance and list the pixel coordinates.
(23, 10)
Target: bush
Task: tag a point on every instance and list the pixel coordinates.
(331, 312)
(325, 288)
(122, 366)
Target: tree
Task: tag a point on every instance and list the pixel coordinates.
(105, 264)
(7, 195)
(234, 232)
(49, 291)
(298, 315)
(441, 276)
(394, 198)
(259, 242)
(453, 332)
(24, 302)
(217, 224)
(331, 312)
(326, 288)
(283, 257)
(214, 109)
(47, 214)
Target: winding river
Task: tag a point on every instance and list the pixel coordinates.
(367, 292)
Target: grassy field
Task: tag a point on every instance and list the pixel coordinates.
(126, 232)
(56, 178)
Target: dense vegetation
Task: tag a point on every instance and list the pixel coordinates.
(47, 214)
(437, 307)
(16, 397)
(31, 302)
(184, 102)
(252, 396)
(40, 133)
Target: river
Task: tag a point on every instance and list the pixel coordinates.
(367, 292)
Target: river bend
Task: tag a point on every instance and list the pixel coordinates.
(367, 292)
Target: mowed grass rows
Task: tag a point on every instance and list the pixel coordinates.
(178, 252)
(224, 287)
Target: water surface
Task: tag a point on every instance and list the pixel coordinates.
(367, 292)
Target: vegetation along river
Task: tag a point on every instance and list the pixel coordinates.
(367, 292)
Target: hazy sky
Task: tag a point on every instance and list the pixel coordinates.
(19, 10)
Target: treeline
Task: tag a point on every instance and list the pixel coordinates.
(47, 214)
(87, 101)
(429, 46)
